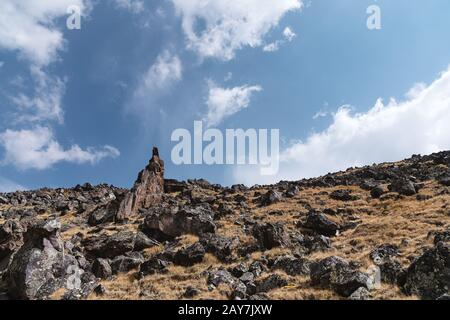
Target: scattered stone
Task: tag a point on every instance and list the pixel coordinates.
(153, 266)
(190, 256)
(384, 253)
(167, 224)
(271, 235)
(443, 236)
(360, 294)
(445, 181)
(403, 186)
(102, 269)
(292, 266)
(223, 248)
(319, 223)
(271, 282)
(377, 191)
(100, 290)
(429, 275)
(271, 197)
(190, 293)
(127, 262)
(343, 195)
(104, 246)
(221, 276)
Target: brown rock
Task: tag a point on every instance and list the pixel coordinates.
(147, 190)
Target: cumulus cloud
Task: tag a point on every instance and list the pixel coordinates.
(134, 6)
(28, 27)
(38, 149)
(224, 102)
(288, 36)
(384, 133)
(217, 28)
(45, 104)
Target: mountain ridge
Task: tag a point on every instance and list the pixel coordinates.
(373, 232)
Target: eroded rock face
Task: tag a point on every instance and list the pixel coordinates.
(147, 190)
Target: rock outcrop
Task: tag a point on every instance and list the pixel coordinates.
(147, 190)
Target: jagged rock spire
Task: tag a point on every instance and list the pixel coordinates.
(147, 189)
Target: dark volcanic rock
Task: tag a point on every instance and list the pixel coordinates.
(173, 186)
(445, 181)
(222, 247)
(104, 246)
(345, 282)
(271, 197)
(272, 282)
(167, 224)
(392, 272)
(314, 243)
(190, 256)
(384, 253)
(101, 268)
(126, 262)
(377, 191)
(221, 276)
(443, 236)
(429, 275)
(271, 235)
(319, 223)
(336, 274)
(153, 266)
(322, 272)
(292, 266)
(403, 186)
(343, 195)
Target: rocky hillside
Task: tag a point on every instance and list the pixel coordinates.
(378, 232)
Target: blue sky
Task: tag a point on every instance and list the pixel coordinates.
(88, 105)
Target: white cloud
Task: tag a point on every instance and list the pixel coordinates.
(384, 133)
(28, 26)
(166, 71)
(1, 64)
(38, 149)
(224, 102)
(7, 185)
(45, 104)
(320, 114)
(288, 36)
(217, 28)
(134, 6)
(272, 47)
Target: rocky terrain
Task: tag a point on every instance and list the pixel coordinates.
(378, 232)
